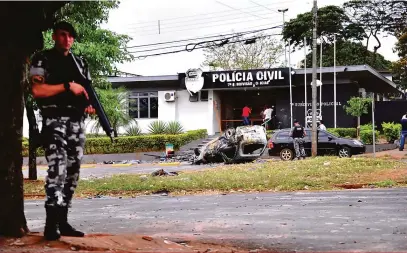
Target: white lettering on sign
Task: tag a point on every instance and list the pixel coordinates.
(243, 76)
(214, 77)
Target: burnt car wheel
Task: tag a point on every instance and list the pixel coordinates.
(344, 152)
(286, 154)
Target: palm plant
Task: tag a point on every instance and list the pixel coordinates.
(157, 127)
(114, 102)
(133, 129)
(174, 127)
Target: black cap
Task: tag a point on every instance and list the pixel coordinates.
(63, 25)
(296, 121)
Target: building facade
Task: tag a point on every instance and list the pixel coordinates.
(214, 100)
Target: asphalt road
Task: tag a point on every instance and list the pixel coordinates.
(349, 220)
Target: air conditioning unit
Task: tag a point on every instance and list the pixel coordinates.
(169, 96)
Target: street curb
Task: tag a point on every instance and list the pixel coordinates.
(168, 164)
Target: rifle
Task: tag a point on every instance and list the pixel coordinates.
(104, 121)
(94, 101)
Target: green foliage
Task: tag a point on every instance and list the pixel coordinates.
(343, 132)
(102, 48)
(157, 127)
(131, 144)
(331, 20)
(357, 106)
(367, 127)
(174, 127)
(391, 131)
(264, 53)
(133, 129)
(349, 53)
(114, 102)
(367, 136)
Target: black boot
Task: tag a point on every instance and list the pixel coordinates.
(65, 228)
(51, 224)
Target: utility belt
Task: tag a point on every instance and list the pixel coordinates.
(56, 112)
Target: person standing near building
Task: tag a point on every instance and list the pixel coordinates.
(322, 126)
(267, 117)
(403, 132)
(246, 114)
(298, 133)
(56, 76)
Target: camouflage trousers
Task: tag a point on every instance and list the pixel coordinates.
(63, 141)
(299, 147)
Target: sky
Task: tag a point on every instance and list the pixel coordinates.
(158, 21)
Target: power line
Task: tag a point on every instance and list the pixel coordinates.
(263, 6)
(201, 27)
(200, 46)
(163, 25)
(211, 13)
(204, 37)
(239, 10)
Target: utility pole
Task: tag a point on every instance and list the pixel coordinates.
(285, 48)
(314, 80)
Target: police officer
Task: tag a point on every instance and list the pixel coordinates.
(56, 76)
(298, 133)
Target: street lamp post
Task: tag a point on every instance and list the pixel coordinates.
(285, 48)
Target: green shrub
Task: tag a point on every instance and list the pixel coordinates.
(131, 144)
(133, 129)
(343, 132)
(367, 127)
(157, 127)
(391, 131)
(366, 136)
(174, 127)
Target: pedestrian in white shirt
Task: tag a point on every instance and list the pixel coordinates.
(267, 116)
(322, 126)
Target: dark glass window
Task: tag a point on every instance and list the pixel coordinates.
(143, 104)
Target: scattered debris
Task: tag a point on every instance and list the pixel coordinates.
(123, 162)
(327, 163)
(147, 238)
(162, 172)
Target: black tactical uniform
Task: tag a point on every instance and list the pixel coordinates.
(63, 135)
(298, 134)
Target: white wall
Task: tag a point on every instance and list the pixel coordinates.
(192, 115)
(216, 111)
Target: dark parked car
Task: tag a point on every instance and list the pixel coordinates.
(281, 144)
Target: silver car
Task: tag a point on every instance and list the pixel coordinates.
(243, 144)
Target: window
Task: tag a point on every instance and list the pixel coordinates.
(143, 105)
(204, 95)
(283, 135)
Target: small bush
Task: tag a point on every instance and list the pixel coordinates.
(131, 144)
(366, 136)
(174, 127)
(343, 132)
(391, 131)
(133, 129)
(157, 127)
(367, 127)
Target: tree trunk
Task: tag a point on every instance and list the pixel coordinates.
(33, 134)
(358, 129)
(12, 219)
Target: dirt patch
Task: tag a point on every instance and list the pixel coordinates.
(34, 242)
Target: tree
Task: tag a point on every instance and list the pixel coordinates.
(356, 107)
(399, 68)
(331, 20)
(349, 53)
(29, 19)
(377, 17)
(102, 48)
(263, 52)
(114, 102)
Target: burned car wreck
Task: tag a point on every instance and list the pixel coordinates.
(243, 144)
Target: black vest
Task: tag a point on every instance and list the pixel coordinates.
(298, 132)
